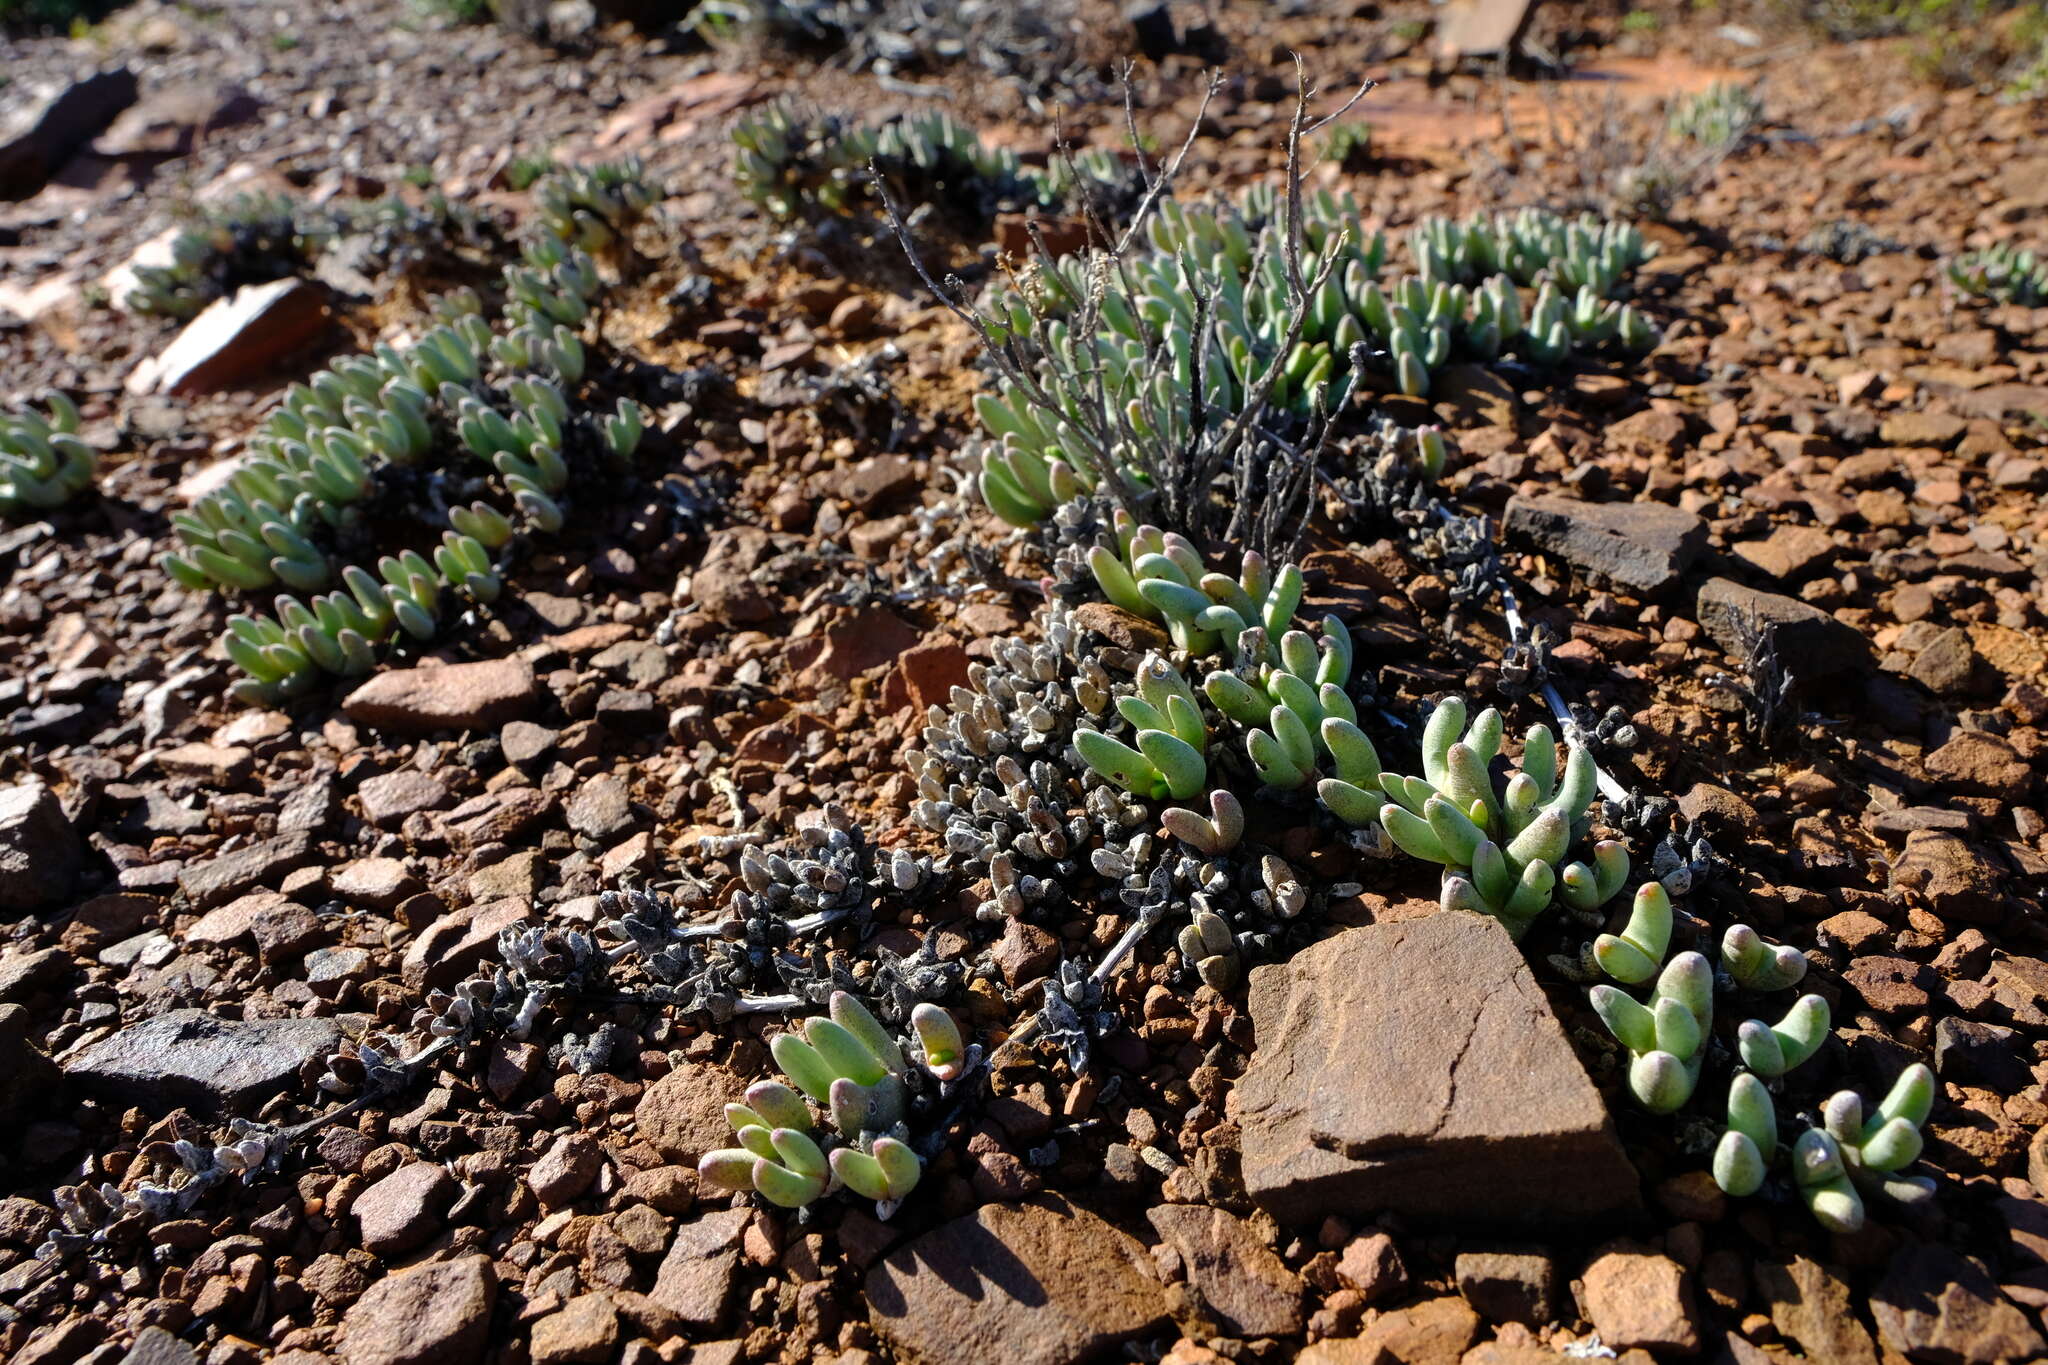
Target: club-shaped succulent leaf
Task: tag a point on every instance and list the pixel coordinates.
(938, 1041)
(1824, 1185)
(1588, 886)
(1757, 965)
(1633, 956)
(1743, 1155)
(1667, 1036)
(1213, 834)
(1774, 1049)
(887, 1172)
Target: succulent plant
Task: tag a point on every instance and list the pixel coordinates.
(1666, 1037)
(937, 1045)
(1852, 1155)
(1774, 1049)
(1528, 247)
(1216, 273)
(1634, 955)
(1301, 717)
(334, 440)
(1216, 833)
(284, 656)
(792, 164)
(849, 1064)
(1720, 116)
(44, 462)
(1501, 849)
(592, 206)
(1744, 1154)
(1207, 945)
(247, 240)
(1161, 576)
(1171, 738)
(1759, 966)
(2004, 272)
(1348, 144)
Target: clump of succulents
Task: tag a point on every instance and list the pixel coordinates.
(1666, 1036)
(1841, 1163)
(993, 775)
(594, 206)
(1503, 848)
(2004, 272)
(854, 1069)
(1348, 145)
(341, 442)
(1172, 739)
(1721, 116)
(713, 963)
(792, 164)
(1530, 246)
(1851, 1156)
(1161, 576)
(44, 462)
(1832, 1166)
(250, 239)
(1213, 295)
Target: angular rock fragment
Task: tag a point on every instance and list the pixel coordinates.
(1808, 642)
(696, 1276)
(1040, 1283)
(1416, 1067)
(1645, 545)
(1242, 1280)
(472, 696)
(45, 131)
(38, 848)
(430, 1315)
(1936, 1306)
(228, 876)
(192, 1058)
(236, 339)
(1637, 1298)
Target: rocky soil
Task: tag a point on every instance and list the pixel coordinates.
(1401, 1138)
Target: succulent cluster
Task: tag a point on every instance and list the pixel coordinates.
(1503, 846)
(249, 239)
(794, 164)
(1670, 1035)
(1036, 777)
(44, 462)
(1205, 323)
(485, 414)
(2005, 272)
(750, 958)
(105, 1217)
(858, 1072)
(993, 774)
(1720, 116)
(1348, 145)
(596, 206)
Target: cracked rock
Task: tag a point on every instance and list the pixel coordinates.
(1416, 1067)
